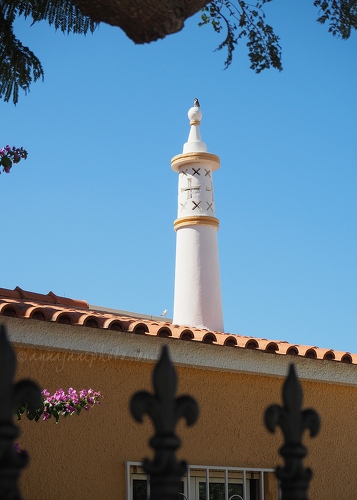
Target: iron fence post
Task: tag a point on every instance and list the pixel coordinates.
(294, 477)
(165, 410)
(11, 397)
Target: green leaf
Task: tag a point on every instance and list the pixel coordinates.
(6, 162)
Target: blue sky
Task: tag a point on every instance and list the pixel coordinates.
(90, 213)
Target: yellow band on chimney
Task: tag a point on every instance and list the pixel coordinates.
(200, 220)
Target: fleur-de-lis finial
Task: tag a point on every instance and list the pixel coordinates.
(165, 410)
(11, 397)
(294, 478)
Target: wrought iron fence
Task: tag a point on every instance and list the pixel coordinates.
(11, 397)
(165, 409)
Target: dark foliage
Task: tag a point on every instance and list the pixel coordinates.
(243, 20)
(18, 64)
(341, 15)
(240, 19)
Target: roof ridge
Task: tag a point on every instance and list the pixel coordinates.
(49, 298)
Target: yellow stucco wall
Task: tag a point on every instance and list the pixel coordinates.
(83, 457)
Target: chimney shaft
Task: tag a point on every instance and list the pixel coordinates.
(197, 301)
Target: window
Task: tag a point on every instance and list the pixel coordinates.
(139, 485)
(206, 483)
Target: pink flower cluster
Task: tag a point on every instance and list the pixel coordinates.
(8, 156)
(62, 403)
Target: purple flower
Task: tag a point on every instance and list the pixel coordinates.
(19, 450)
(8, 156)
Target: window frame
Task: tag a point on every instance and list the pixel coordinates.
(135, 469)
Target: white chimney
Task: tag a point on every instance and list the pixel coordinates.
(197, 301)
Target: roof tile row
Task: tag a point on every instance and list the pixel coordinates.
(28, 305)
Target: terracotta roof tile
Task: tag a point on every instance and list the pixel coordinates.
(35, 306)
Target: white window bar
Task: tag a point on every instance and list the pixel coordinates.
(207, 484)
(244, 484)
(188, 483)
(261, 483)
(128, 478)
(226, 484)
